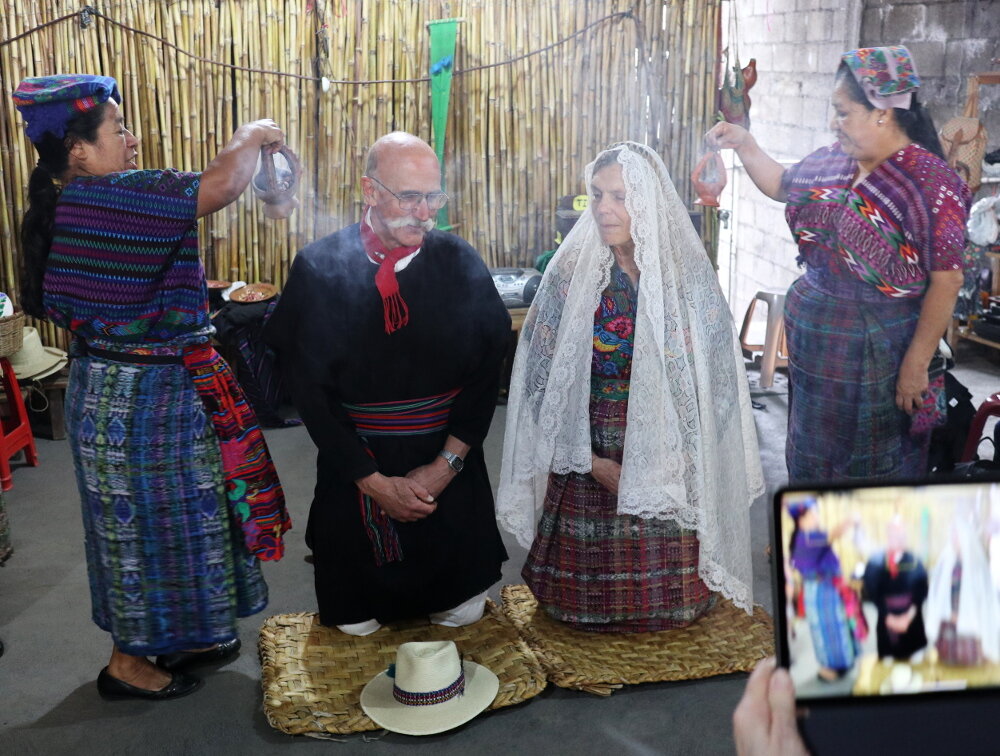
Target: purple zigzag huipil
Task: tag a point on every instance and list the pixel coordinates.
(124, 266)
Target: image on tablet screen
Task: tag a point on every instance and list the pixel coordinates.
(891, 590)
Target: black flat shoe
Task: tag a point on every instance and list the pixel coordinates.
(185, 659)
(112, 688)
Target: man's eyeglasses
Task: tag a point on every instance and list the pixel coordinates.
(410, 201)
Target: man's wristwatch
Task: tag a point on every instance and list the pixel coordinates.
(455, 462)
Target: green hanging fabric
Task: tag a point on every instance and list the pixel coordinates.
(443, 34)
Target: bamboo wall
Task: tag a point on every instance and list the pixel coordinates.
(519, 135)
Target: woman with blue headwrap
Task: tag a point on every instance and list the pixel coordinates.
(833, 622)
(180, 499)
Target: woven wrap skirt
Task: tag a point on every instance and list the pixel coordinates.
(832, 637)
(846, 342)
(167, 562)
(600, 571)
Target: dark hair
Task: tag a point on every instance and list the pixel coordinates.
(43, 193)
(796, 529)
(794, 538)
(916, 122)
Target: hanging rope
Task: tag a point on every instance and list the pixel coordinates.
(88, 13)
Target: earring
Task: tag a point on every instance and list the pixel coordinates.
(879, 122)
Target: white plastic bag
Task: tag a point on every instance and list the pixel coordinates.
(983, 227)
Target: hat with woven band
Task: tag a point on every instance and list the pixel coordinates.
(34, 360)
(428, 690)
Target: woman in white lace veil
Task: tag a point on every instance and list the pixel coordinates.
(629, 356)
(962, 613)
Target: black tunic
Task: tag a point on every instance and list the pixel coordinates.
(897, 595)
(329, 333)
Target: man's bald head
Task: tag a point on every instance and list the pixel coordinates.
(397, 145)
(400, 167)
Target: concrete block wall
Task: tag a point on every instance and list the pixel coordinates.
(950, 40)
(798, 44)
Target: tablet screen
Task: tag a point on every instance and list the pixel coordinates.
(888, 590)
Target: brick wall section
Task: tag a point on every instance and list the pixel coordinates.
(797, 44)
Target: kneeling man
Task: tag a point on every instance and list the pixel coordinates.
(391, 335)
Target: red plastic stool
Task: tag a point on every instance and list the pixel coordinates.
(15, 430)
(989, 408)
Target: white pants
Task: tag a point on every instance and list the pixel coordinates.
(464, 614)
(360, 628)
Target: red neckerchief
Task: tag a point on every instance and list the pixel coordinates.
(892, 562)
(394, 309)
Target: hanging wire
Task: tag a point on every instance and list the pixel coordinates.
(88, 13)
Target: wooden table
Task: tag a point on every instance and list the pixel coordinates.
(517, 315)
(516, 323)
(50, 422)
(958, 331)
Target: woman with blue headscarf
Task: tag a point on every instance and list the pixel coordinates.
(180, 498)
(832, 609)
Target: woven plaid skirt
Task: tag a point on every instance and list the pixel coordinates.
(846, 342)
(167, 563)
(604, 572)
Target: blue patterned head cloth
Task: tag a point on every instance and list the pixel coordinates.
(798, 508)
(47, 102)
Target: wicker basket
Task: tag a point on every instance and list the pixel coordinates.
(11, 333)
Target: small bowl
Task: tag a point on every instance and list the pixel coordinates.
(257, 292)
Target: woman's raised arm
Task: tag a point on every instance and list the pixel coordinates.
(765, 171)
(230, 171)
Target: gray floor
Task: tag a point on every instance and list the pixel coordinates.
(49, 703)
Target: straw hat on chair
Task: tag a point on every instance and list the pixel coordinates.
(34, 360)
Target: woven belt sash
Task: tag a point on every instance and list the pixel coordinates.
(253, 490)
(134, 357)
(411, 417)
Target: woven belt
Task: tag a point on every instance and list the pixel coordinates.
(133, 357)
(411, 417)
(608, 388)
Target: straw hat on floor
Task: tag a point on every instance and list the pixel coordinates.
(428, 690)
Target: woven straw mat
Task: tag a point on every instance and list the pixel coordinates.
(725, 640)
(312, 675)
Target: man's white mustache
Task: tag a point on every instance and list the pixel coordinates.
(426, 225)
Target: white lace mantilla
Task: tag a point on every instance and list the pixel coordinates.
(690, 444)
